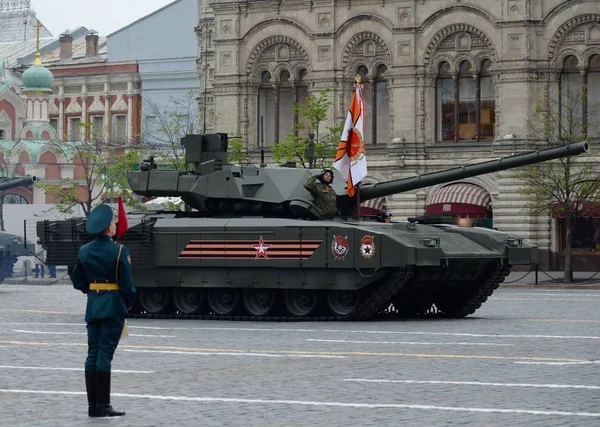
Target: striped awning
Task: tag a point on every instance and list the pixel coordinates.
(463, 193)
(376, 204)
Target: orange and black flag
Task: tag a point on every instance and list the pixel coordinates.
(350, 158)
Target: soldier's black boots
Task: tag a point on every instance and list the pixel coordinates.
(103, 408)
(90, 388)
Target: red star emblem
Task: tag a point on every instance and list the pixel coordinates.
(261, 249)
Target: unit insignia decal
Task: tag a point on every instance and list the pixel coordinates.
(367, 247)
(339, 246)
(261, 249)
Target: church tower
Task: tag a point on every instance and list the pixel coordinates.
(37, 88)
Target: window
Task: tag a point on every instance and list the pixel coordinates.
(465, 104)
(54, 124)
(14, 199)
(580, 97)
(1, 133)
(74, 129)
(377, 106)
(276, 104)
(97, 131)
(119, 128)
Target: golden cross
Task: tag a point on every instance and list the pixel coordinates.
(37, 26)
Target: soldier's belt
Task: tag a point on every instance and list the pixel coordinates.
(104, 287)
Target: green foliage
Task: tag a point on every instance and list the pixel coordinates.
(310, 115)
(567, 183)
(99, 170)
(237, 150)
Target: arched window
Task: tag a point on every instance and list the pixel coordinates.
(381, 111)
(465, 103)
(593, 96)
(266, 108)
(446, 100)
(487, 111)
(277, 101)
(377, 105)
(572, 99)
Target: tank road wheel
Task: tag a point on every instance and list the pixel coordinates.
(342, 303)
(189, 300)
(224, 301)
(301, 302)
(155, 300)
(259, 302)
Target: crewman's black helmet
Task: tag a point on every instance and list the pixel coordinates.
(323, 172)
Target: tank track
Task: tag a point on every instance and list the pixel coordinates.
(373, 306)
(474, 300)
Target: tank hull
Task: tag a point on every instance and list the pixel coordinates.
(276, 268)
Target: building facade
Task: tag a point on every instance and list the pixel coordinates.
(163, 44)
(446, 83)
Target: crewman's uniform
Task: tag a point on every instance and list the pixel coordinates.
(103, 272)
(323, 194)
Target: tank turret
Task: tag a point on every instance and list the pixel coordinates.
(216, 188)
(18, 182)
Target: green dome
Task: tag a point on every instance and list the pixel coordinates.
(37, 78)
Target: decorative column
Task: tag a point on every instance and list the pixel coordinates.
(84, 129)
(61, 114)
(107, 118)
(129, 112)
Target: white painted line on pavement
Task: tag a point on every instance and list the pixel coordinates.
(556, 294)
(337, 331)
(456, 334)
(222, 353)
(315, 403)
(43, 368)
(587, 362)
(586, 387)
(85, 333)
(406, 342)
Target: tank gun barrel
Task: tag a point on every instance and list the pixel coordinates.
(373, 191)
(18, 182)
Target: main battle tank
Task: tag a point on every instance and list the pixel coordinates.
(11, 245)
(255, 246)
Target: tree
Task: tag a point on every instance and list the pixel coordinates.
(310, 116)
(165, 125)
(237, 151)
(569, 183)
(100, 168)
(6, 172)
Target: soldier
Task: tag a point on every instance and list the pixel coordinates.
(322, 192)
(103, 272)
(384, 216)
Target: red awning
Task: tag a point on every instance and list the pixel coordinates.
(372, 207)
(463, 199)
(585, 210)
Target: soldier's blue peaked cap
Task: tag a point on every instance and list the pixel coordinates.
(99, 219)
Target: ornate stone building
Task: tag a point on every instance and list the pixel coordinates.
(447, 82)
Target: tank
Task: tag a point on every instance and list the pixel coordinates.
(254, 246)
(11, 245)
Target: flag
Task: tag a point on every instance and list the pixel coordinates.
(350, 158)
(122, 225)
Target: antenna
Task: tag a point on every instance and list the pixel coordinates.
(262, 143)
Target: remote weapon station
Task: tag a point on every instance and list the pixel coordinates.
(254, 245)
(11, 245)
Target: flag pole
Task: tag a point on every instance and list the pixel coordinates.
(357, 79)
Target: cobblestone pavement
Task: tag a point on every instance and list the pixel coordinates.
(528, 357)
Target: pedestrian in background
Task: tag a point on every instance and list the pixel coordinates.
(103, 272)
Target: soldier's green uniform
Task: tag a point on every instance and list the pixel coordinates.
(323, 194)
(103, 272)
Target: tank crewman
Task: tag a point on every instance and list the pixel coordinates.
(384, 216)
(103, 272)
(323, 194)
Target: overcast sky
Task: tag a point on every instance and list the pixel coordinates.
(105, 16)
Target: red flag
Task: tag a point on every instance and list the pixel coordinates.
(122, 225)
